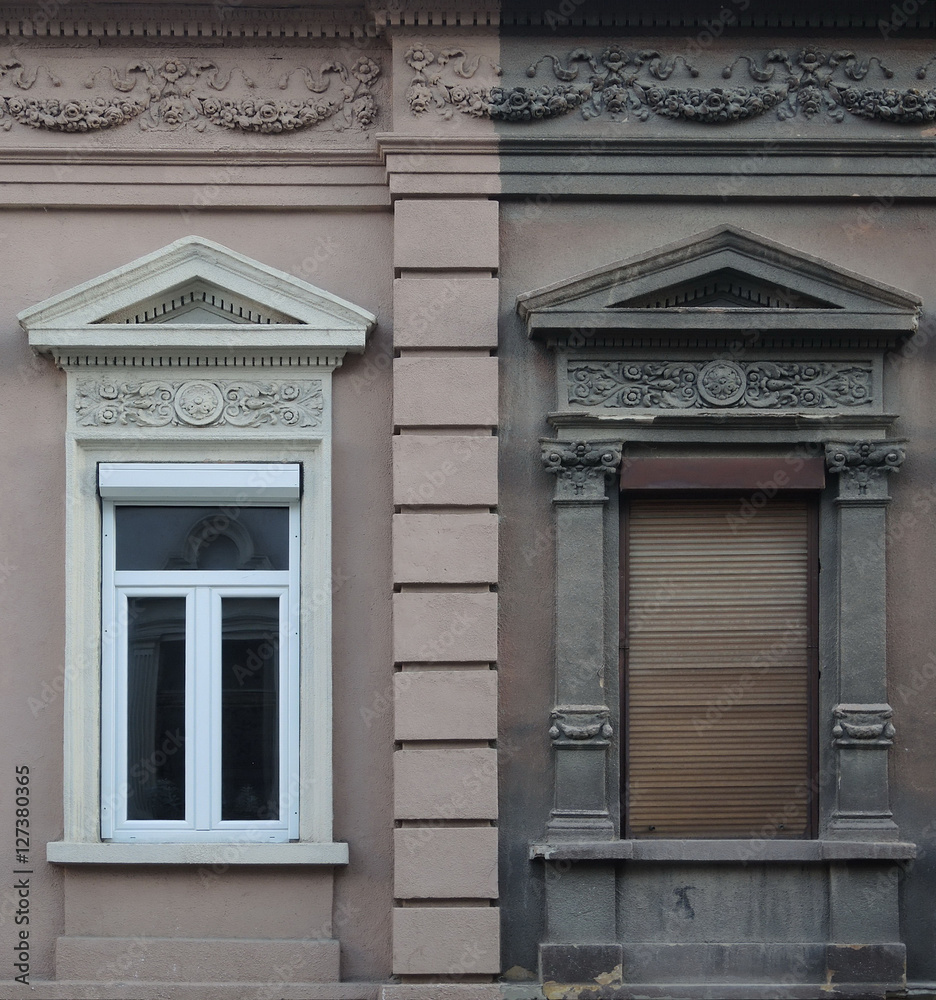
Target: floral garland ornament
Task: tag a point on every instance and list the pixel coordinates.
(171, 95)
(428, 91)
(628, 84)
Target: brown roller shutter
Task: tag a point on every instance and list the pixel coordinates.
(720, 667)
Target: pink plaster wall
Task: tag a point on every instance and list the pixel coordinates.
(346, 255)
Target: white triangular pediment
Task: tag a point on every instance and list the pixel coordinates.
(721, 279)
(197, 296)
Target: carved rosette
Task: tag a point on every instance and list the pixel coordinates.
(580, 727)
(199, 403)
(866, 726)
(863, 465)
(722, 384)
(581, 467)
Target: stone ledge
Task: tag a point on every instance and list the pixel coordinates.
(742, 851)
(72, 989)
(72, 853)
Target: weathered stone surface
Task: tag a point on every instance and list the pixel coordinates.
(441, 862)
(446, 941)
(445, 392)
(444, 626)
(445, 548)
(445, 784)
(439, 469)
(445, 705)
(445, 233)
(445, 312)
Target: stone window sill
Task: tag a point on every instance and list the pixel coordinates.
(724, 850)
(71, 853)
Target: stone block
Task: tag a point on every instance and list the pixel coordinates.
(445, 862)
(445, 705)
(445, 784)
(581, 963)
(445, 469)
(445, 233)
(445, 548)
(443, 627)
(446, 941)
(866, 963)
(163, 959)
(450, 391)
(445, 312)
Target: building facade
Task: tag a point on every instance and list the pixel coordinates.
(469, 488)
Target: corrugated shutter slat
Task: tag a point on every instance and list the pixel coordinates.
(718, 668)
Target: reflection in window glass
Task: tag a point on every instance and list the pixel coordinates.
(156, 708)
(250, 656)
(202, 538)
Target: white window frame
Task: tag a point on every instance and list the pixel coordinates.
(197, 484)
(109, 338)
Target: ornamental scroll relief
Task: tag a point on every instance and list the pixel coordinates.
(758, 385)
(199, 403)
(178, 93)
(624, 83)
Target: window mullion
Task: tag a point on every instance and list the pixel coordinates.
(202, 669)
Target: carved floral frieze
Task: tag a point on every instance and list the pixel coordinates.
(863, 726)
(639, 84)
(722, 384)
(199, 403)
(179, 93)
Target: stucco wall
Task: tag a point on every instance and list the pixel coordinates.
(548, 241)
(345, 255)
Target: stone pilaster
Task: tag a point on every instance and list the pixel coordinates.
(445, 410)
(580, 728)
(861, 725)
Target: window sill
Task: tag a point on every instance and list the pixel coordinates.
(72, 853)
(724, 850)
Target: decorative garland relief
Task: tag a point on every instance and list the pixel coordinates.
(622, 83)
(177, 93)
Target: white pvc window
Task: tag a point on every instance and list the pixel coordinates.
(200, 652)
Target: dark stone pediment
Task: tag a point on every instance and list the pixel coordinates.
(722, 281)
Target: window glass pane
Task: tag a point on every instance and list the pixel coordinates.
(207, 538)
(156, 708)
(250, 641)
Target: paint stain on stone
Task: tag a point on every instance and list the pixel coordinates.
(683, 906)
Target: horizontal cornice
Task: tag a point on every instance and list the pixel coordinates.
(282, 19)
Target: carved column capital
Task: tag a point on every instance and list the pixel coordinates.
(862, 465)
(581, 467)
(863, 725)
(580, 727)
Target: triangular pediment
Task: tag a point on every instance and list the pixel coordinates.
(722, 280)
(196, 296)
